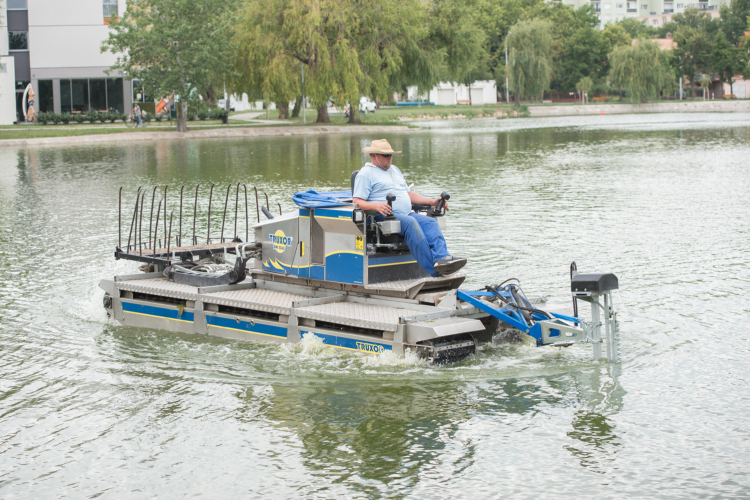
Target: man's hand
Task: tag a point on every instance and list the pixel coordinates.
(383, 208)
(436, 201)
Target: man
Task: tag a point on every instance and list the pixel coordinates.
(422, 234)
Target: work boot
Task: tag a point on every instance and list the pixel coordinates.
(449, 265)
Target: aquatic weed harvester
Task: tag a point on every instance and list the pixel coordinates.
(326, 269)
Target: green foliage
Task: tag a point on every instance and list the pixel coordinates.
(43, 117)
(79, 118)
(91, 116)
(112, 117)
(726, 59)
(735, 20)
(585, 55)
(636, 28)
(174, 45)
(642, 70)
(585, 84)
(529, 58)
(64, 118)
(692, 55)
(202, 114)
(614, 35)
(216, 113)
(158, 118)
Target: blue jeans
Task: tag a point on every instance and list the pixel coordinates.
(424, 239)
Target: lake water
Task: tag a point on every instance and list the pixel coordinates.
(91, 409)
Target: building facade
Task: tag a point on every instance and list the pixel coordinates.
(56, 47)
(610, 11)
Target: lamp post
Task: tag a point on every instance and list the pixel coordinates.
(507, 95)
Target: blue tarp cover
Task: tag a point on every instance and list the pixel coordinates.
(313, 199)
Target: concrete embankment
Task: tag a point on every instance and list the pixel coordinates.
(234, 132)
(656, 107)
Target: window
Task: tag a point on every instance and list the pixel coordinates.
(620, 5)
(644, 7)
(115, 95)
(17, 5)
(656, 22)
(65, 96)
(632, 6)
(44, 101)
(606, 6)
(110, 8)
(679, 5)
(80, 94)
(98, 95)
(18, 40)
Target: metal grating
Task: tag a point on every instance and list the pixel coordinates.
(357, 315)
(255, 298)
(160, 286)
(405, 285)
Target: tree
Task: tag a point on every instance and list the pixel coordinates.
(584, 85)
(642, 70)
(692, 56)
(529, 58)
(349, 47)
(705, 83)
(173, 46)
(585, 56)
(614, 35)
(735, 20)
(636, 28)
(726, 59)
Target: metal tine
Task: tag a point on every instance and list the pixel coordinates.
(267, 204)
(224, 218)
(236, 209)
(169, 240)
(140, 224)
(156, 229)
(210, 196)
(195, 214)
(178, 240)
(247, 224)
(257, 206)
(119, 220)
(279, 204)
(135, 215)
(165, 208)
(151, 217)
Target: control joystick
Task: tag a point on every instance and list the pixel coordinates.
(390, 198)
(443, 198)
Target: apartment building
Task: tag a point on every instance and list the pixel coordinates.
(645, 10)
(55, 46)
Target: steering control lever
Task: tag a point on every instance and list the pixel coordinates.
(390, 198)
(443, 198)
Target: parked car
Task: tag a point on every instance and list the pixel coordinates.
(366, 105)
(222, 103)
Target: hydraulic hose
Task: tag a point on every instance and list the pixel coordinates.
(493, 289)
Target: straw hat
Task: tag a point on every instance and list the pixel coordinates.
(380, 147)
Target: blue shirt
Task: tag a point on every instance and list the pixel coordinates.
(373, 184)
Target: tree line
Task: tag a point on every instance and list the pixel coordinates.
(280, 50)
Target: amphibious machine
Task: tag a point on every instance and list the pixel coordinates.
(331, 270)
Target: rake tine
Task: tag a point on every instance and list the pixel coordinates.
(224, 218)
(210, 196)
(195, 214)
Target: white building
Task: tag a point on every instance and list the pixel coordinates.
(56, 47)
(7, 76)
(450, 93)
(617, 10)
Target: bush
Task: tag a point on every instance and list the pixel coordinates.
(158, 118)
(191, 117)
(122, 116)
(42, 118)
(217, 113)
(65, 118)
(79, 118)
(92, 116)
(202, 114)
(146, 117)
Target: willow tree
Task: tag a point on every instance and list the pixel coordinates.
(529, 58)
(349, 48)
(173, 46)
(642, 70)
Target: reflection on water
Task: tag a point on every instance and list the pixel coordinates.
(90, 408)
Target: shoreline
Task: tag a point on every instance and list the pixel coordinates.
(650, 107)
(219, 133)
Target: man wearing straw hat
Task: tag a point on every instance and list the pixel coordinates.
(422, 234)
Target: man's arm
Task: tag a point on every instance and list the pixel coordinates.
(418, 199)
(380, 206)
